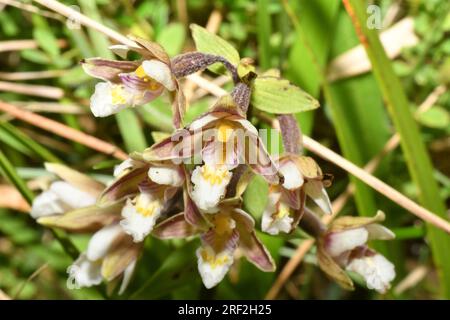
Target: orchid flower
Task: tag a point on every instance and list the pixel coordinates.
(223, 139)
(301, 177)
(70, 204)
(133, 83)
(147, 189)
(73, 191)
(344, 246)
(221, 235)
(110, 253)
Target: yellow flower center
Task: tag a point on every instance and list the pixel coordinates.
(225, 130)
(223, 224)
(213, 260)
(152, 83)
(147, 209)
(117, 95)
(283, 211)
(214, 175)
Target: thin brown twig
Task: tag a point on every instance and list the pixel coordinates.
(16, 45)
(32, 90)
(33, 75)
(30, 8)
(30, 278)
(63, 130)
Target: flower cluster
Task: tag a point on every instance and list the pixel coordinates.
(191, 184)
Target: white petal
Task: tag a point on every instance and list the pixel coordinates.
(102, 241)
(60, 197)
(47, 204)
(247, 125)
(84, 273)
(210, 184)
(166, 176)
(293, 178)
(122, 167)
(139, 219)
(340, 242)
(270, 222)
(316, 191)
(120, 49)
(213, 267)
(127, 274)
(102, 100)
(71, 196)
(160, 72)
(376, 270)
(379, 232)
(202, 121)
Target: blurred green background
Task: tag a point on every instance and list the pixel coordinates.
(309, 42)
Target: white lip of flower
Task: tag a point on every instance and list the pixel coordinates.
(210, 184)
(376, 270)
(165, 176)
(342, 241)
(109, 98)
(84, 273)
(275, 218)
(59, 198)
(160, 72)
(293, 178)
(139, 219)
(213, 267)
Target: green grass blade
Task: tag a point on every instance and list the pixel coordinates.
(263, 33)
(131, 131)
(417, 158)
(29, 143)
(11, 174)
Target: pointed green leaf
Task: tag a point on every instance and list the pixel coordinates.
(276, 95)
(208, 42)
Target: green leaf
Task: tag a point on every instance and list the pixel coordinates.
(208, 42)
(276, 95)
(176, 270)
(47, 41)
(131, 131)
(436, 117)
(172, 38)
(255, 196)
(35, 56)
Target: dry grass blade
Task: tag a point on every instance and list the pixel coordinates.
(355, 61)
(33, 75)
(30, 8)
(50, 107)
(376, 184)
(12, 199)
(30, 278)
(16, 45)
(4, 296)
(32, 90)
(412, 279)
(63, 130)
